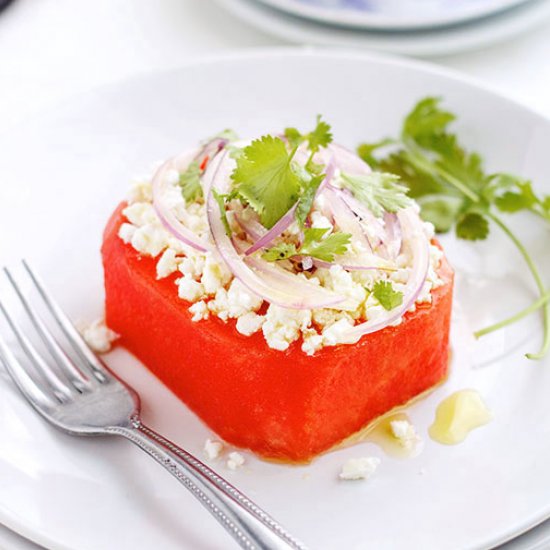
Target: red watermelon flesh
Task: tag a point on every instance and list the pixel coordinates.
(281, 405)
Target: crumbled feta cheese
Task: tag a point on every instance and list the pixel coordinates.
(200, 311)
(167, 264)
(240, 300)
(141, 190)
(99, 336)
(404, 431)
(126, 232)
(313, 341)
(338, 333)
(249, 323)
(359, 468)
(212, 449)
(282, 326)
(189, 289)
(235, 460)
(214, 275)
(141, 213)
(150, 240)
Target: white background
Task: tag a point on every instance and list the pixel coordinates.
(53, 49)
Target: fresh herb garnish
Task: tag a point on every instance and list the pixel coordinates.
(265, 179)
(315, 245)
(386, 295)
(190, 182)
(378, 191)
(309, 189)
(452, 187)
(220, 199)
(319, 137)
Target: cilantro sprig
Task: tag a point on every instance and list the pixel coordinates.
(386, 295)
(453, 188)
(190, 182)
(378, 191)
(315, 244)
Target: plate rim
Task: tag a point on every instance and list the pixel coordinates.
(448, 41)
(357, 19)
(15, 523)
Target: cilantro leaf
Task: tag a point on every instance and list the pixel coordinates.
(190, 182)
(384, 292)
(425, 120)
(308, 196)
(441, 211)
(281, 251)
(324, 248)
(319, 137)
(265, 179)
(472, 226)
(220, 199)
(378, 191)
(315, 245)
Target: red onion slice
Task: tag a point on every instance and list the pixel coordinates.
(264, 279)
(394, 234)
(415, 238)
(164, 212)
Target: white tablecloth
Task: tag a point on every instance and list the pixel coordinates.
(53, 49)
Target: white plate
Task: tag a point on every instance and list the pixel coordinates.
(446, 41)
(64, 172)
(393, 14)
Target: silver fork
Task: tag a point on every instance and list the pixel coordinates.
(83, 397)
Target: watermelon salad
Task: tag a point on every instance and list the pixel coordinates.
(291, 291)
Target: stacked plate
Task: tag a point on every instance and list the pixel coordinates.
(412, 27)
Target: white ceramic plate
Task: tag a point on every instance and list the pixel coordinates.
(436, 42)
(63, 173)
(393, 14)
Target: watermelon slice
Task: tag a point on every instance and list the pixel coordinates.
(281, 405)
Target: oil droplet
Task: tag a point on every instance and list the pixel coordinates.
(382, 434)
(457, 415)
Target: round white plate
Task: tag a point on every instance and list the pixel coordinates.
(393, 14)
(446, 41)
(63, 173)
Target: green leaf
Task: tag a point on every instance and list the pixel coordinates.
(472, 226)
(324, 248)
(190, 182)
(319, 137)
(378, 191)
(220, 199)
(315, 245)
(441, 211)
(426, 119)
(281, 251)
(308, 196)
(366, 151)
(546, 203)
(389, 298)
(265, 179)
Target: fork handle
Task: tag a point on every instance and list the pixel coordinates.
(249, 525)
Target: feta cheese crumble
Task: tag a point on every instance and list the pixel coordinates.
(359, 468)
(213, 449)
(99, 336)
(206, 282)
(235, 460)
(405, 433)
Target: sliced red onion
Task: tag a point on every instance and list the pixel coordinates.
(163, 210)
(282, 225)
(345, 218)
(254, 229)
(394, 234)
(264, 279)
(415, 238)
(347, 161)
